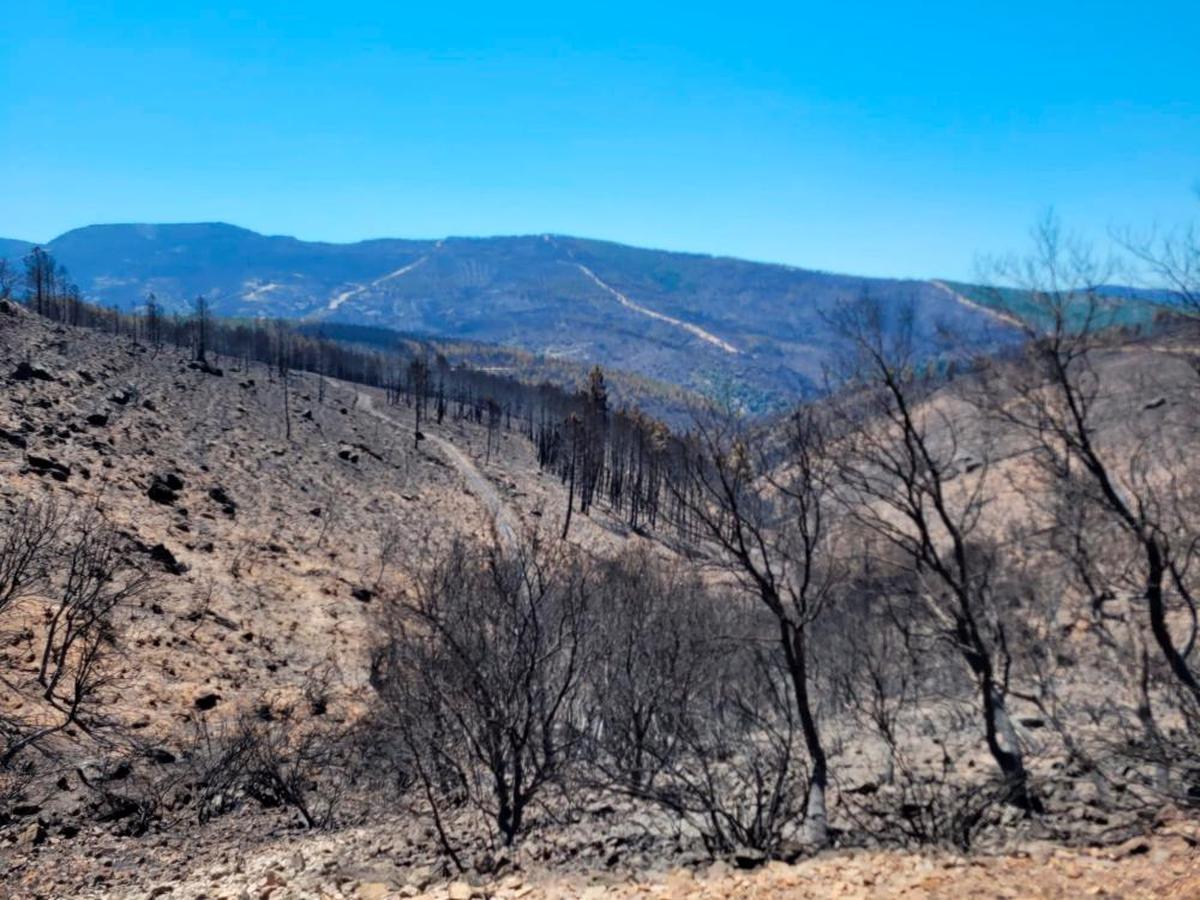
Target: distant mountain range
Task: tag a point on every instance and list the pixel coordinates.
(702, 322)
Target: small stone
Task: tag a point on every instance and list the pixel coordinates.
(31, 835)
(460, 890)
(718, 870)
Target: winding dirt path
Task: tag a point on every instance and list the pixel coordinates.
(477, 483)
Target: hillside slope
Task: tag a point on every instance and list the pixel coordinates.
(267, 553)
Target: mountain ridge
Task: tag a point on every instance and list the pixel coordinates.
(756, 332)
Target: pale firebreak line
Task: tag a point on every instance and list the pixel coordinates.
(694, 330)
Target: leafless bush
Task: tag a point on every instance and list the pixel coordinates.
(86, 572)
(733, 766)
(97, 577)
(26, 542)
(654, 633)
(294, 764)
(693, 707)
(479, 674)
(15, 784)
(128, 793)
(278, 760)
(874, 660)
(919, 809)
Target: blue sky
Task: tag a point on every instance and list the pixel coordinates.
(887, 139)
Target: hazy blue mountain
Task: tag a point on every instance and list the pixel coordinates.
(704, 322)
(11, 249)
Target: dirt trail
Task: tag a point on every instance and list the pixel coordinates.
(477, 483)
(341, 298)
(694, 330)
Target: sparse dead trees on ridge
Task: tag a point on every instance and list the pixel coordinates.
(39, 281)
(585, 432)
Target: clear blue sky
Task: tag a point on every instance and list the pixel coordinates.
(858, 137)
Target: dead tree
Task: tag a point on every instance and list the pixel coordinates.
(39, 280)
(201, 321)
(765, 523)
(8, 279)
(418, 385)
(283, 365)
(653, 632)
(902, 468)
(1058, 396)
(574, 428)
(154, 322)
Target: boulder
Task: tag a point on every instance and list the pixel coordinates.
(25, 371)
(160, 492)
(171, 480)
(11, 437)
(206, 702)
(161, 554)
(45, 466)
(749, 858)
(219, 495)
